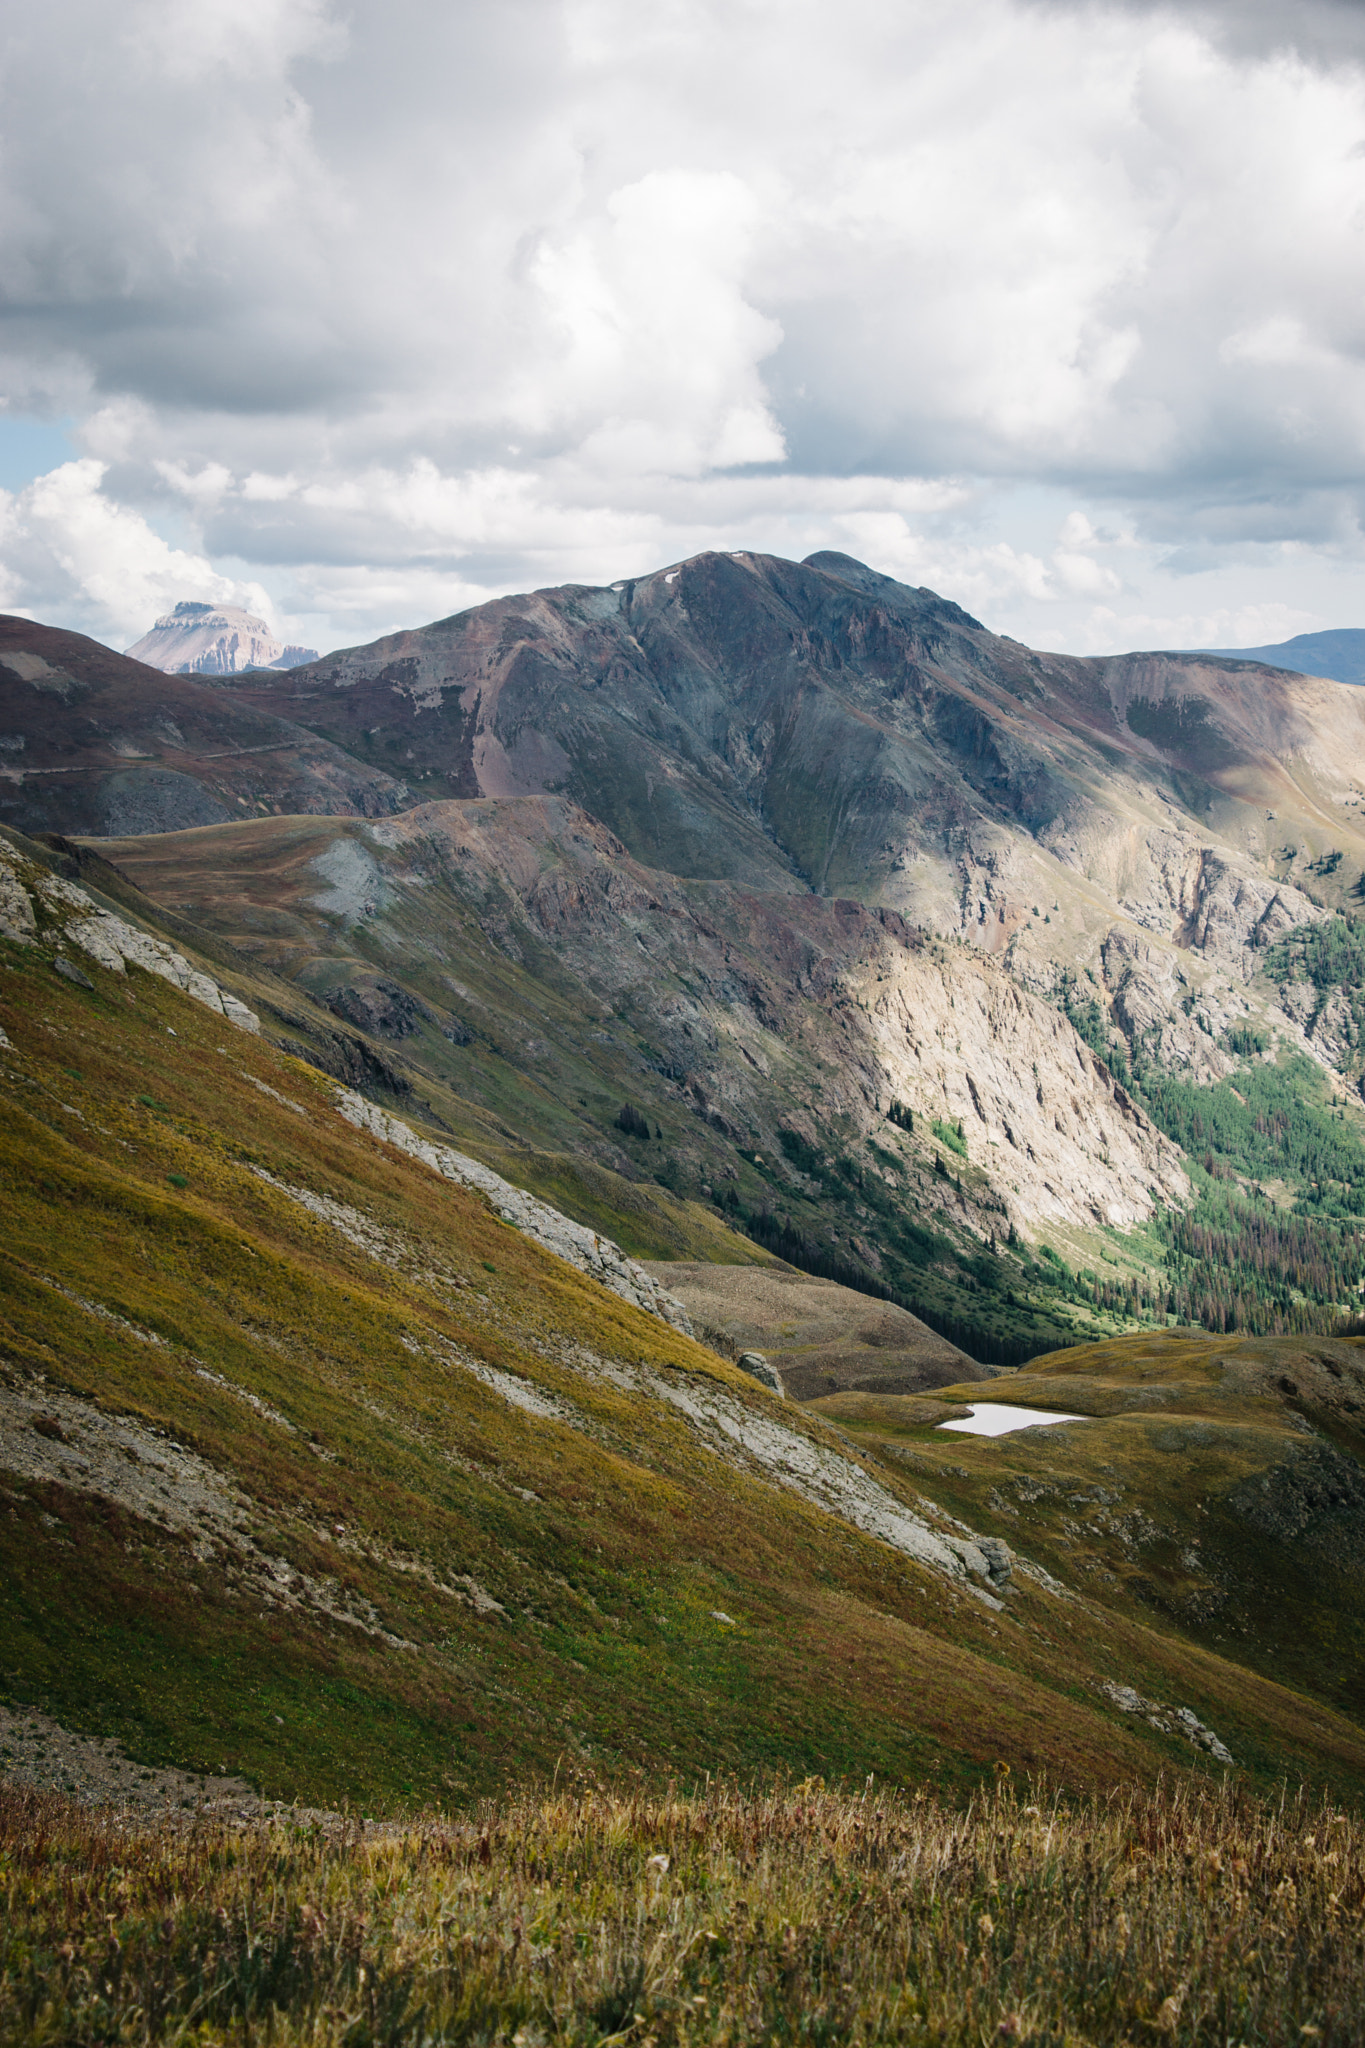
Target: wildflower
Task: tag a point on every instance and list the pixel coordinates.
(985, 1927)
(1011, 2027)
(659, 1863)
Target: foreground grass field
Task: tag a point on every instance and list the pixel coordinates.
(1182, 1914)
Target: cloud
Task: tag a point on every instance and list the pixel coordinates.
(384, 303)
(70, 553)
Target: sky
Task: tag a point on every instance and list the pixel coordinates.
(359, 312)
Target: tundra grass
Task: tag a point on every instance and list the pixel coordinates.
(1184, 1914)
(1216, 1485)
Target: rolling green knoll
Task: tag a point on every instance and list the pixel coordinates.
(1218, 1487)
(430, 1585)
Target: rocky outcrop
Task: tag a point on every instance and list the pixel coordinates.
(214, 640)
(758, 1368)
(379, 1006)
(70, 916)
(573, 1242)
(960, 1041)
(1168, 1720)
(1156, 1006)
(1229, 914)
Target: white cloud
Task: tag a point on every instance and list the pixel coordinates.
(383, 302)
(71, 553)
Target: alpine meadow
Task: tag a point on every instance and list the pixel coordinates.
(497, 1253)
(682, 1025)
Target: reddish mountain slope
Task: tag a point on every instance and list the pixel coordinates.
(93, 742)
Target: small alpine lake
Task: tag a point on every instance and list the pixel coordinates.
(999, 1418)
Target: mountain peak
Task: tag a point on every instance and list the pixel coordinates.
(872, 583)
(195, 638)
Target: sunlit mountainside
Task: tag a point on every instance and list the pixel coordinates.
(520, 1136)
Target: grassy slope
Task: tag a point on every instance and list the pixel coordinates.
(132, 1123)
(526, 1126)
(800, 1915)
(1218, 1487)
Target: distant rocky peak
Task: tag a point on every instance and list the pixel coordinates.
(214, 640)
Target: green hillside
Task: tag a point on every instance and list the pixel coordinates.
(319, 1474)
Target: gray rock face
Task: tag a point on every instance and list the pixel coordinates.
(986, 1557)
(1229, 913)
(214, 640)
(570, 1241)
(155, 800)
(758, 1368)
(1168, 1720)
(381, 1007)
(73, 917)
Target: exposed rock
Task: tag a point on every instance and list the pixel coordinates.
(16, 905)
(820, 1474)
(960, 1040)
(52, 1437)
(111, 941)
(156, 800)
(1167, 1720)
(214, 640)
(37, 1750)
(1228, 913)
(1154, 1006)
(758, 1368)
(570, 1241)
(986, 1557)
(381, 1007)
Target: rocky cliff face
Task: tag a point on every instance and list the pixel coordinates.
(215, 640)
(1041, 1114)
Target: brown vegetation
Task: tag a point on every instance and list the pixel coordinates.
(1184, 1914)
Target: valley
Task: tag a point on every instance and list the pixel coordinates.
(321, 1475)
(517, 1138)
(905, 943)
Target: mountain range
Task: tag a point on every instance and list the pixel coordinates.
(772, 851)
(769, 939)
(1339, 654)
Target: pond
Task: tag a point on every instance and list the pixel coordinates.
(998, 1418)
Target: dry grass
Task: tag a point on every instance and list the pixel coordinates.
(1180, 1914)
